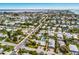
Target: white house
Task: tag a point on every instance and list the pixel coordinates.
(73, 49)
(59, 34)
(75, 36)
(39, 34)
(50, 33)
(73, 22)
(43, 43)
(52, 43)
(68, 35)
(1, 50)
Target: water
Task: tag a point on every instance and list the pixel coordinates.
(75, 11)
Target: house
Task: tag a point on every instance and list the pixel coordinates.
(54, 28)
(73, 22)
(64, 25)
(10, 23)
(8, 29)
(60, 35)
(43, 27)
(45, 24)
(60, 29)
(50, 33)
(68, 35)
(43, 43)
(75, 36)
(61, 43)
(52, 43)
(42, 31)
(1, 50)
(73, 49)
(2, 35)
(48, 27)
(35, 23)
(39, 34)
(39, 49)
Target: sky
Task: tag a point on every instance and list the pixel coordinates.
(39, 5)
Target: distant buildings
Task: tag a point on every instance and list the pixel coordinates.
(53, 34)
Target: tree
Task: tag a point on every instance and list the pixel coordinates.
(47, 43)
(33, 52)
(56, 43)
(21, 51)
(15, 39)
(19, 32)
(9, 34)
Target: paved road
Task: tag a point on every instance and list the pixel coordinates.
(8, 43)
(18, 46)
(22, 42)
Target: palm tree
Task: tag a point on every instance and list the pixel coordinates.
(56, 43)
(47, 43)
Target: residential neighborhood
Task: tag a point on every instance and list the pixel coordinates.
(39, 32)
